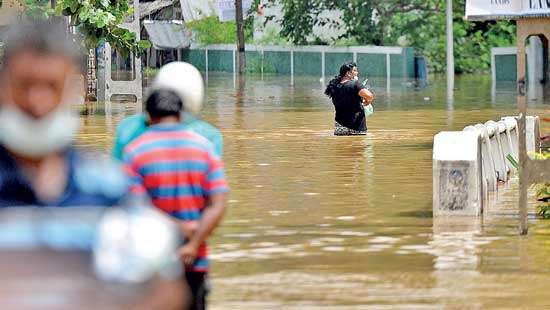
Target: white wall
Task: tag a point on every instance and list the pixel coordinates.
(535, 60)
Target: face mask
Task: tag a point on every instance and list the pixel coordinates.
(356, 78)
(35, 138)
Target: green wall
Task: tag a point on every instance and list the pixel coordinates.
(277, 62)
(305, 62)
(195, 57)
(308, 63)
(253, 62)
(505, 67)
(409, 62)
(333, 62)
(220, 60)
(372, 65)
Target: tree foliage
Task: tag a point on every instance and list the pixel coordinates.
(419, 23)
(96, 20)
(210, 30)
(542, 190)
(296, 26)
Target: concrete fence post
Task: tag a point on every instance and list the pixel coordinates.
(292, 67)
(506, 141)
(206, 63)
(457, 174)
(323, 74)
(489, 181)
(489, 169)
(532, 134)
(512, 126)
(388, 72)
(498, 154)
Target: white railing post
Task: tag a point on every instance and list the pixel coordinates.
(323, 67)
(292, 67)
(206, 63)
(388, 72)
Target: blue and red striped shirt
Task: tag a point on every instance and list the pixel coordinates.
(179, 170)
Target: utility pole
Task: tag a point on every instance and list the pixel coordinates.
(240, 36)
(450, 51)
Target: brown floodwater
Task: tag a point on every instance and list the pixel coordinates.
(317, 221)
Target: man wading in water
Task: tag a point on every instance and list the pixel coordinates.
(349, 97)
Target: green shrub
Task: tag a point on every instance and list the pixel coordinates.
(542, 190)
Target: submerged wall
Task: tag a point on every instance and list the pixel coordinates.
(504, 62)
(324, 61)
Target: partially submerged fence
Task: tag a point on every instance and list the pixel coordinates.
(469, 164)
(322, 61)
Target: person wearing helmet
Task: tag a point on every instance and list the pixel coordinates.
(186, 81)
(181, 174)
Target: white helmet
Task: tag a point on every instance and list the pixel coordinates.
(183, 79)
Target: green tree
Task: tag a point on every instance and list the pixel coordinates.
(364, 21)
(299, 18)
(425, 31)
(96, 20)
(387, 22)
(210, 30)
(369, 22)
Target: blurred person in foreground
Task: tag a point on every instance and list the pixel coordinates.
(175, 76)
(180, 171)
(39, 165)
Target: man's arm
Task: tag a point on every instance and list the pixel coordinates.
(211, 217)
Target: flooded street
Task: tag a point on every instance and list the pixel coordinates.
(345, 222)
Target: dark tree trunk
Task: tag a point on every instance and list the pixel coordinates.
(240, 36)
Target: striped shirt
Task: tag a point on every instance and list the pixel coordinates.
(179, 170)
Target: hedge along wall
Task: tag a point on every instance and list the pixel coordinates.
(324, 61)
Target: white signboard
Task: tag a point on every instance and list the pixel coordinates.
(509, 9)
(227, 11)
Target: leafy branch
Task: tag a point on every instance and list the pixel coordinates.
(96, 20)
(542, 190)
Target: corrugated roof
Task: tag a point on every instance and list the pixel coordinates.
(167, 34)
(146, 8)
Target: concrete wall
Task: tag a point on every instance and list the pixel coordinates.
(504, 62)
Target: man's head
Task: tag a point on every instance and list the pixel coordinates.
(36, 87)
(38, 60)
(164, 106)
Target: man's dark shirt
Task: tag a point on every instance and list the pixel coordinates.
(92, 181)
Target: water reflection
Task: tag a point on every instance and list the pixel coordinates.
(535, 91)
(455, 243)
